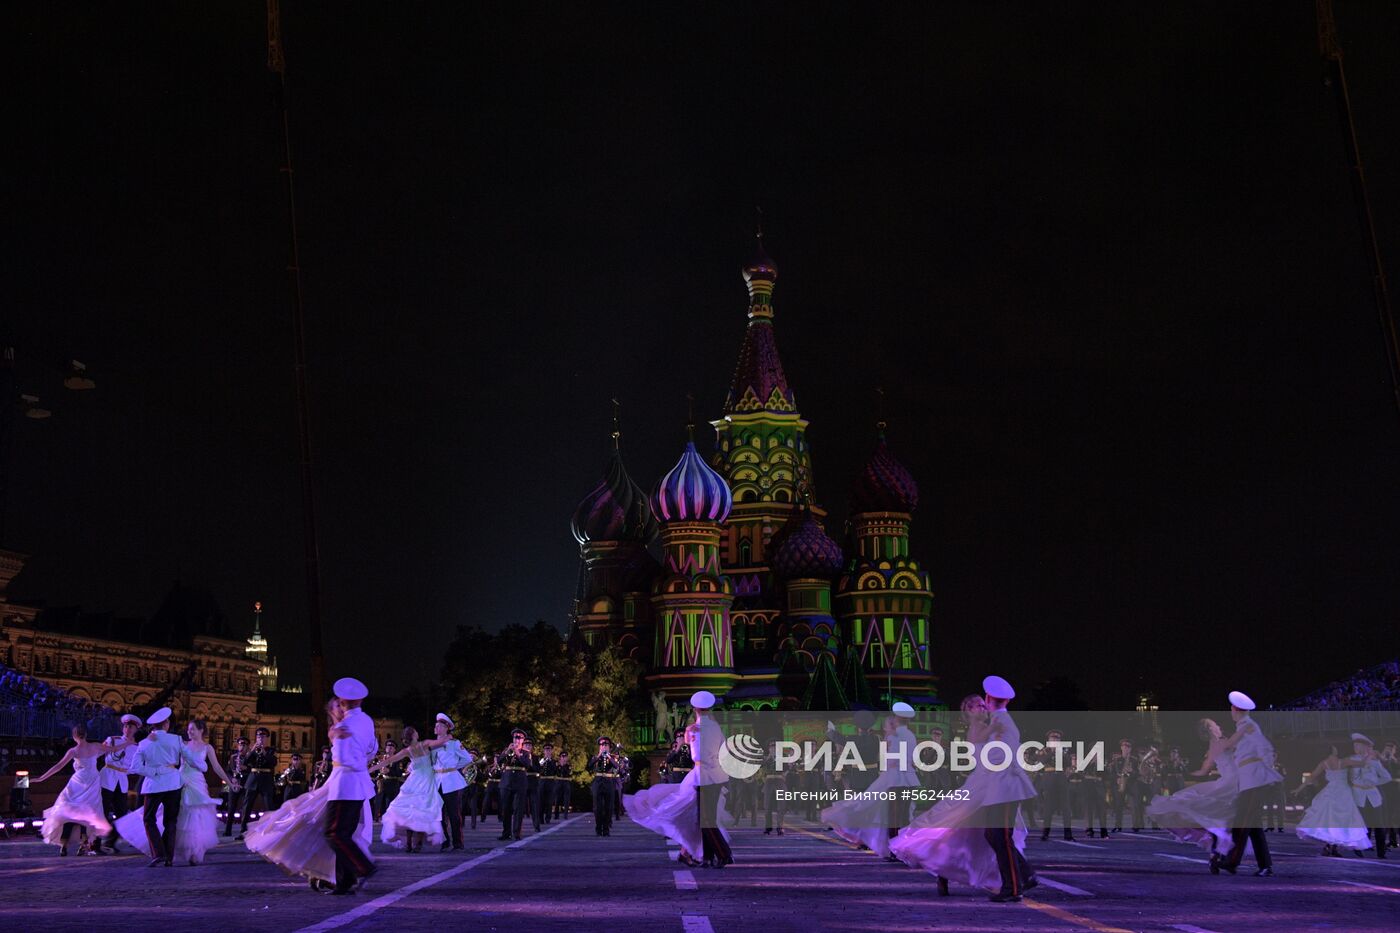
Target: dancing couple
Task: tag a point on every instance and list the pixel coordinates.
(978, 838)
(190, 827)
(80, 805)
(691, 813)
(1337, 816)
(434, 784)
(1254, 758)
(324, 835)
(868, 819)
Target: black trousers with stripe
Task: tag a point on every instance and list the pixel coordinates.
(1000, 822)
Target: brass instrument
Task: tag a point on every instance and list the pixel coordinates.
(1149, 768)
(1124, 768)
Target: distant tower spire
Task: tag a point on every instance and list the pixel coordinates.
(880, 423)
(617, 425)
(690, 416)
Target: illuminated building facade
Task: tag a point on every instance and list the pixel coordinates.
(749, 596)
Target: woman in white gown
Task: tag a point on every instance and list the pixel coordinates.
(1201, 814)
(415, 815)
(293, 837)
(946, 840)
(1333, 818)
(197, 826)
(80, 802)
(866, 819)
(670, 810)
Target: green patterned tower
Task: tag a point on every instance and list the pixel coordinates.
(761, 450)
(884, 600)
(691, 596)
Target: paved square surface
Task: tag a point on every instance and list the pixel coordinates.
(569, 879)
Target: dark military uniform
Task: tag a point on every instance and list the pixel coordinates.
(605, 769)
(563, 794)
(1088, 791)
(1052, 787)
(532, 790)
(389, 783)
(238, 777)
(1124, 791)
(679, 764)
(549, 784)
(515, 783)
(478, 774)
(493, 788)
(262, 765)
(293, 782)
(321, 773)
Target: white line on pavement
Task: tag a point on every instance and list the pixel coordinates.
(1061, 886)
(694, 923)
(1183, 858)
(393, 897)
(1373, 887)
(1071, 842)
(1190, 928)
(685, 881)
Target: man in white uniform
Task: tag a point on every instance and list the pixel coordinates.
(113, 776)
(158, 763)
(349, 786)
(710, 779)
(904, 741)
(1366, 782)
(1002, 796)
(1254, 756)
(448, 762)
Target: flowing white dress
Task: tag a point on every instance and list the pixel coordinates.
(80, 802)
(1333, 817)
(197, 826)
(947, 839)
(671, 810)
(293, 837)
(865, 819)
(1202, 813)
(418, 807)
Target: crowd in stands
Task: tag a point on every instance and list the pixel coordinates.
(1377, 687)
(21, 690)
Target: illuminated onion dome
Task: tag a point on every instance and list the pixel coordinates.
(761, 266)
(883, 484)
(616, 509)
(692, 492)
(808, 553)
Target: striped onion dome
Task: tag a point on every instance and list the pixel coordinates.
(691, 492)
(808, 553)
(883, 484)
(616, 509)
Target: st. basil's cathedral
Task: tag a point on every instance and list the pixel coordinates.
(749, 596)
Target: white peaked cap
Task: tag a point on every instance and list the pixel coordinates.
(1358, 737)
(994, 686)
(903, 710)
(348, 688)
(128, 717)
(702, 699)
(1241, 701)
(443, 717)
(159, 716)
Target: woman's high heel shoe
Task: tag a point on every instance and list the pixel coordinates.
(942, 886)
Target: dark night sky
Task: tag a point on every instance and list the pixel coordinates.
(1106, 266)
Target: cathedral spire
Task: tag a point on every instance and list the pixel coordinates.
(759, 381)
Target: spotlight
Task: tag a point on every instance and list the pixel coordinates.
(77, 378)
(32, 408)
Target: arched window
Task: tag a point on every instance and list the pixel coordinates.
(745, 553)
